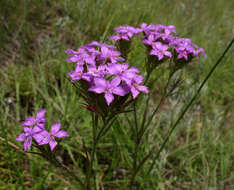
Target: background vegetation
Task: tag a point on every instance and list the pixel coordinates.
(34, 35)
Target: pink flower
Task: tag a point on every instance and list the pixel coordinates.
(49, 138)
(109, 55)
(136, 87)
(28, 135)
(38, 121)
(125, 33)
(78, 74)
(160, 50)
(108, 88)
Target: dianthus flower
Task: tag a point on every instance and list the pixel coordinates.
(97, 71)
(39, 120)
(78, 74)
(149, 40)
(28, 135)
(136, 87)
(122, 73)
(94, 44)
(49, 137)
(108, 88)
(109, 55)
(80, 57)
(157, 29)
(160, 50)
(124, 33)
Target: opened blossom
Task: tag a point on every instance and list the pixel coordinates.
(80, 57)
(95, 44)
(102, 66)
(160, 50)
(109, 55)
(34, 130)
(135, 86)
(122, 72)
(39, 120)
(185, 48)
(79, 74)
(124, 33)
(49, 137)
(109, 88)
(28, 135)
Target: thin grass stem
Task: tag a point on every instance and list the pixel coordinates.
(190, 103)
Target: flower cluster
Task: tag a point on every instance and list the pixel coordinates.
(34, 129)
(161, 43)
(105, 72)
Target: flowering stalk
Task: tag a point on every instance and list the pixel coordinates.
(142, 162)
(35, 134)
(98, 133)
(110, 86)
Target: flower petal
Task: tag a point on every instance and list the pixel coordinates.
(46, 138)
(38, 129)
(168, 53)
(143, 89)
(21, 137)
(61, 134)
(109, 98)
(119, 91)
(55, 128)
(39, 137)
(97, 89)
(40, 114)
(134, 92)
(105, 51)
(115, 82)
(28, 130)
(28, 122)
(52, 144)
(100, 82)
(72, 59)
(27, 143)
(160, 56)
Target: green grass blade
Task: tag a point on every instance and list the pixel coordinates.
(190, 103)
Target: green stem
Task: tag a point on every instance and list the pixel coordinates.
(144, 128)
(145, 111)
(104, 128)
(139, 167)
(93, 152)
(135, 117)
(137, 139)
(96, 138)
